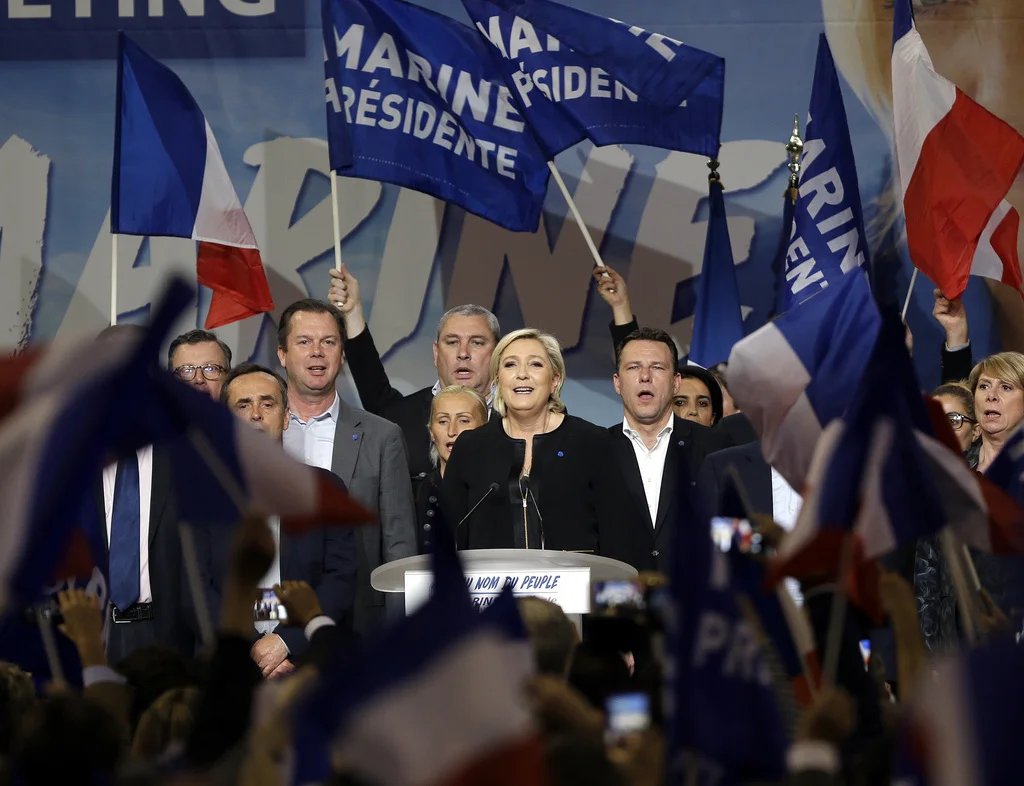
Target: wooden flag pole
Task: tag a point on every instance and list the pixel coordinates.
(837, 618)
(113, 279)
(910, 291)
(195, 584)
(336, 224)
(964, 596)
(576, 214)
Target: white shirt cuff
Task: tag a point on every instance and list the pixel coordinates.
(957, 347)
(93, 674)
(812, 755)
(315, 624)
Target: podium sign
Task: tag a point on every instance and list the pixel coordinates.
(567, 587)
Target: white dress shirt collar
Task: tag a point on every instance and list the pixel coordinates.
(438, 387)
(635, 436)
(331, 412)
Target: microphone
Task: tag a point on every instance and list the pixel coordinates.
(490, 490)
(536, 508)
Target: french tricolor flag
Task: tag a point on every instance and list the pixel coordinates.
(957, 162)
(886, 473)
(169, 180)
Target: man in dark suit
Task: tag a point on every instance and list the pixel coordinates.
(466, 337)
(754, 473)
(136, 501)
(367, 452)
(325, 559)
(657, 451)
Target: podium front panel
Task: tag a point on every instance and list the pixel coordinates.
(566, 587)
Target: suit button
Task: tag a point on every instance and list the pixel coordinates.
(431, 499)
(655, 553)
(426, 528)
(430, 513)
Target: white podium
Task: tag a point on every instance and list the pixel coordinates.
(563, 577)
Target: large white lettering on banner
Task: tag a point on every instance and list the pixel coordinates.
(413, 255)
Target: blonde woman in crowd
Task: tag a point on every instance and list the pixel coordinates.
(454, 409)
(555, 484)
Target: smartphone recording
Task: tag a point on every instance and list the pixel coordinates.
(269, 609)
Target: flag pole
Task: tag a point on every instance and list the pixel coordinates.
(195, 584)
(113, 278)
(837, 617)
(576, 214)
(336, 221)
(964, 597)
(910, 291)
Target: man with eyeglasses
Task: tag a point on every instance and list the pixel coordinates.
(200, 359)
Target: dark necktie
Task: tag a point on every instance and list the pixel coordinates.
(124, 535)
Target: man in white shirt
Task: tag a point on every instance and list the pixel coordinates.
(656, 450)
(365, 451)
(138, 506)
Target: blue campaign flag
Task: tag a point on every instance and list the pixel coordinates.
(580, 76)
(828, 238)
(415, 99)
(718, 321)
(725, 723)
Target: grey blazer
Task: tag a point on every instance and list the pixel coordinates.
(371, 458)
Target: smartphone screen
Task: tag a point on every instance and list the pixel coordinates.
(627, 713)
(268, 608)
(725, 530)
(609, 595)
(865, 651)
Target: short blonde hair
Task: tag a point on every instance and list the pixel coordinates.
(551, 348)
(1007, 366)
(454, 390)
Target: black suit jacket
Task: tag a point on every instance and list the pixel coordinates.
(754, 474)
(324, 558)
(646, 545)
(573, 477)
(166, 573)
(410, 413)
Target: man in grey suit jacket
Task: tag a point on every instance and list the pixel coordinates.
(367, 452)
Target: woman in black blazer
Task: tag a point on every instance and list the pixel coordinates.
(556, 485)
(454, 409)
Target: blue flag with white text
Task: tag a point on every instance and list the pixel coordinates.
(415, 99)
(717, 321)
(725, 724)
(581, 76)
(828, 226)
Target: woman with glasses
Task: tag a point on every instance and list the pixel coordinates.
(983, 416)
(936, 601)
(958, 403)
